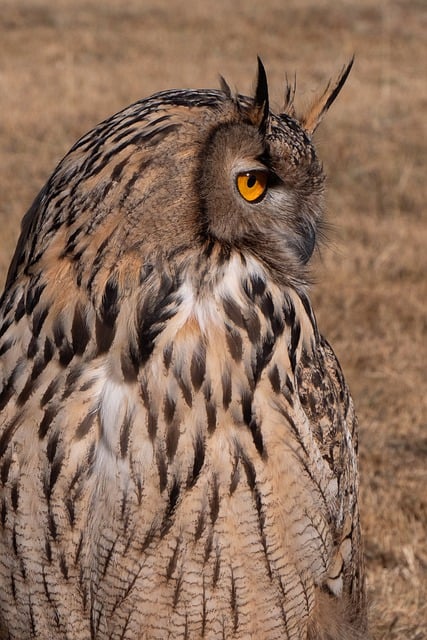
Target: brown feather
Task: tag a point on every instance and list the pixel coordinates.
(312, 118)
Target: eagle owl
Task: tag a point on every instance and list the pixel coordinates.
(178, 447)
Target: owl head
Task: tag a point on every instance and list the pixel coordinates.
(184, 179)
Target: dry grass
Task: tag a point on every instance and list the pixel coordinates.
(66, 65)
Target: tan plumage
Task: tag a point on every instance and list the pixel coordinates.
(177, 445)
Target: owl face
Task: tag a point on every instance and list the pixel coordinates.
(174, 177)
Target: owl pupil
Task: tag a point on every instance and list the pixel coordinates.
(251, 181)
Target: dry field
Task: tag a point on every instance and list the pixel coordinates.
(65, 65)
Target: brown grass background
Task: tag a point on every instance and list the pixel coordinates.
(67, 64)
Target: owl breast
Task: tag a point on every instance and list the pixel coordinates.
(224, 498)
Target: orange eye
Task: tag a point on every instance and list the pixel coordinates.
(252, 185)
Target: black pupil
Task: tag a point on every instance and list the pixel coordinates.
(251, 181)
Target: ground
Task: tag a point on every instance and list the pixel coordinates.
(66, 65)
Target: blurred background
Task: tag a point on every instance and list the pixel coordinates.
(68, 64)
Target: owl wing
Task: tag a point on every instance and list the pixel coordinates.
(327, 402)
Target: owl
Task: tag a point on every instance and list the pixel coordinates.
(178, 446)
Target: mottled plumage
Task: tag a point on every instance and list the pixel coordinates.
(178, 446)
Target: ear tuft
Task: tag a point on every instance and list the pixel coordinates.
(290, 90)
(224, 86)
(259, 112)
(312, 118)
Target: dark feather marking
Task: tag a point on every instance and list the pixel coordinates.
(214, 500)
(289, 310)
(72, 379)
(118, 169)
(211, 415)
(50, 392)
(48, 550)
(198, 366)
(246, 400)
(295, 336)
(48, 417)
(167, 355)
(263, 356)
(257, 438)
(97, 263)
(14, 540)
(5, 326)
(13, 589)
(104, 334)
(199, 458)
(173, 560)
(170, 509)
(32, 348)
(176, 595)
(108, 556)
(52, 446)
(124, 434)
(33, 297)
(234, 343)
(289, 384)
(235, 476)
(129, 364)
(7, 392)
(14, 496)
(4, 473)
(162, 469)
(80, 335)
(253, 326)
(52, 526)
(254, 287)
(38, 320)
(48, 350)
(261, 522)
(8, 432)
(66, 353)
(172, 438)
(58, 331)
(110, 303)
(25, 393)
(267, 306)
(233, 603)
(294, 428)
(3, 512)
(39, 366)
(152, 419)
(85, 425)
(148, 538)
(186, 390)
(208, 547)
(20, 309)
(216, 568)
(274, 377)
(200, 525)
(204, 608)
(226, 388)
(63, 565)
(69, 506)
(51, 477)
(32, 621)
(249, 470)
(6, 346)
(233, 311)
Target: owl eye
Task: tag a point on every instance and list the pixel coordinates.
(252, 185)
